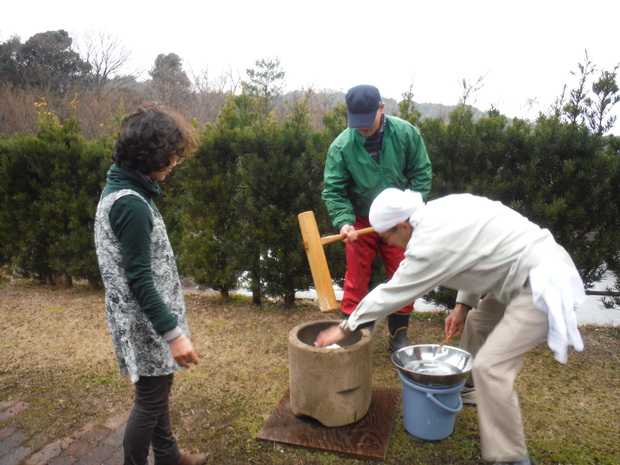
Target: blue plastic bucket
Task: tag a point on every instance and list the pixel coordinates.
(429, 413)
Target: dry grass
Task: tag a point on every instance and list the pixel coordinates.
(56, 355)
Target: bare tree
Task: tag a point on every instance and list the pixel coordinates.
(106, 55)
(470, 89)
(209, 97)
(17, 111)
(232, 80)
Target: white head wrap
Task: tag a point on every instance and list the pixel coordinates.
(393, 206)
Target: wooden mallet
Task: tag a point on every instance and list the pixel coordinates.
(313, 243)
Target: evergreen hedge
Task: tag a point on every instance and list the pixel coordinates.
(232, 208)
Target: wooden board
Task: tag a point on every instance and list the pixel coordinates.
(364, 439)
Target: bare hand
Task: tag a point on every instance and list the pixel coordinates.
(183, 352)
(455, 322)
(329, 336)
(349, 232)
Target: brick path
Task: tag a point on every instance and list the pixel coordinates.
(92, 445)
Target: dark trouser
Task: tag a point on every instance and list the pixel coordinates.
(149, 423)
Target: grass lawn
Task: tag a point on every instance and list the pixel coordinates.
(57, 356)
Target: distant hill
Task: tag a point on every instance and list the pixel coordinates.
(429, 110)
(329, 99)
(325, 100)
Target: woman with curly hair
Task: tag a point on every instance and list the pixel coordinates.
(144, 301)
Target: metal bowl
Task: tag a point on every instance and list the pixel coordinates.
(448, 367)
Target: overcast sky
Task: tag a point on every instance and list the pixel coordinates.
(525, 51)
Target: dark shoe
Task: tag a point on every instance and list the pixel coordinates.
(193, 459)
(397, 325)
(468, 395)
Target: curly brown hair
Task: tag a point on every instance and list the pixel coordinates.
(150, 137)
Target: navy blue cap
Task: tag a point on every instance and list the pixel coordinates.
(362, 104)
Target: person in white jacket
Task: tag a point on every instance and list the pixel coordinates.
(480, 247)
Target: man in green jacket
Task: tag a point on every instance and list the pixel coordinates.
(375, 152)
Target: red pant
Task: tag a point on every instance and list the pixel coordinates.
(360, 255)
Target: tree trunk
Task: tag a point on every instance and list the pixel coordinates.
(289, 300)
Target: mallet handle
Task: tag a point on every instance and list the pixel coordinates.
(339, 237)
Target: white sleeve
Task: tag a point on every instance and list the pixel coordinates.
(413, 279)
(470, 299)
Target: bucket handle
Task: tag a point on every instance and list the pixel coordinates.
(431, 397)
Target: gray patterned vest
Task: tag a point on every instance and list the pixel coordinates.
(140, 350)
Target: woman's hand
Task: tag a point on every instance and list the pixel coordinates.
(183, 351)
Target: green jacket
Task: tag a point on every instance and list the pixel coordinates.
(352, 179)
